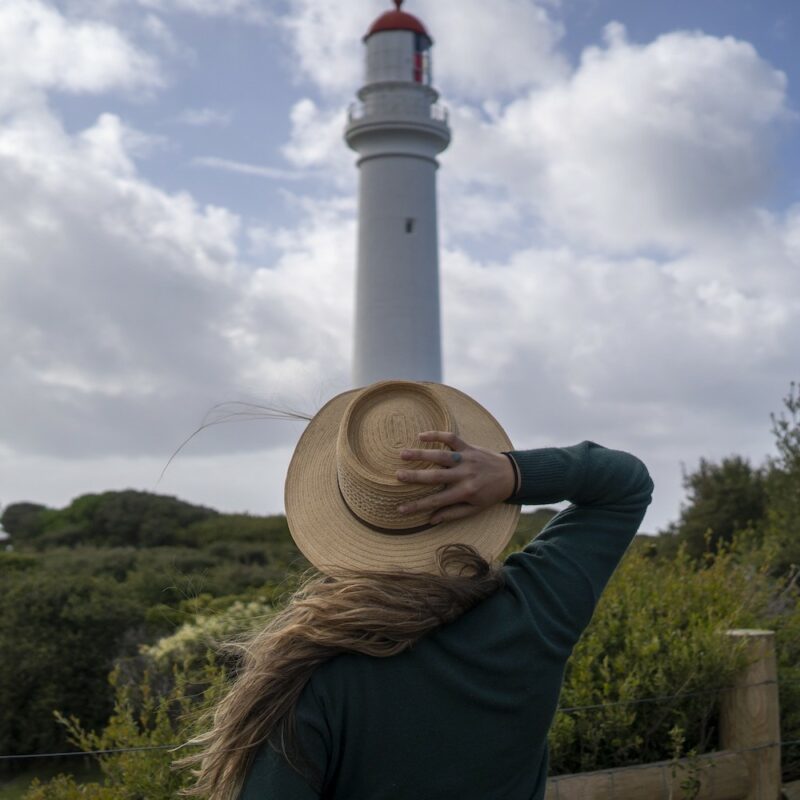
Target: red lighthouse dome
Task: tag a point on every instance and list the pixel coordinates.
(397, 20)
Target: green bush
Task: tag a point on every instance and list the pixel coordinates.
(64, 787)
(783, 485)
(190, 644)
(150, 725)
(58, 640)
(15, 562)
(786, 624)
(657, 631)
(22, 520)
(723, 499)
(67, 615)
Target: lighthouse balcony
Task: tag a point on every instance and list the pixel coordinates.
(397, 115)
(397, 102)
(397, 108)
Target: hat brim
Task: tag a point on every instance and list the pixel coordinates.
(333, 539)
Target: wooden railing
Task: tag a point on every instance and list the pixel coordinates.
(747, 767)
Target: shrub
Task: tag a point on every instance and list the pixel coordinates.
(22, 520)
(783, 485)
(150, 725)
(58, 639)
(723, 499)
(191, 644)
(657, 631)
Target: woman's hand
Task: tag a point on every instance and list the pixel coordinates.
(474, 478)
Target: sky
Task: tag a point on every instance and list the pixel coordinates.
(619, 230)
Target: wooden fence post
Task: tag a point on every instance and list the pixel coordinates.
(749, 715)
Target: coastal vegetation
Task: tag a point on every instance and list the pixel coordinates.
(113, 609)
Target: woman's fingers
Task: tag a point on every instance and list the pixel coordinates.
(471, 478)
(445, 437)
(446, 497)
(433, 476)
(444, 458)
(449, 459)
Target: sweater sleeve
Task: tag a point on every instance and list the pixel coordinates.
(561, 574)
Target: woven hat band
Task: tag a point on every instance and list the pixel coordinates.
(379, 423)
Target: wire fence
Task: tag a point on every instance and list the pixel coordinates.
(176, 747)
(559, 709)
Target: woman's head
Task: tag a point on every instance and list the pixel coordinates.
(342, 492)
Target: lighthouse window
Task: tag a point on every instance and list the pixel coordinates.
(410, 225)
(422, 59)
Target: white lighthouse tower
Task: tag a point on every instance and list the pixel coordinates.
(398, 130)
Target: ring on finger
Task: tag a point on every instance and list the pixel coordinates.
(456, 457)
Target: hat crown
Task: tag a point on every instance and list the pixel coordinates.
(377, 426)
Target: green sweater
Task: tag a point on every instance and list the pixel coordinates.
(465, 712)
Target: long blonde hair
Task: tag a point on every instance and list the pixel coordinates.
(374, 613)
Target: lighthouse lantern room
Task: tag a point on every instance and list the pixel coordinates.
(401, 53)
(398, 129)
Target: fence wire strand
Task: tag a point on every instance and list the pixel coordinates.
(112, 751)
(176, 747)
(664, 697)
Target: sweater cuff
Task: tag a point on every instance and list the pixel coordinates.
(548, 474)
(517, 478)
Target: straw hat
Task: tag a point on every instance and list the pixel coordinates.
(342, 494)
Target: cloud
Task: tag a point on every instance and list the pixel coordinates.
(126, 311)
(484, 50)
(42, 50)
(271, 173)
(326, 41)
(317, 140)
(672, 361)
(625, 331)
(158, 32)
(643, 146)
(471, 216)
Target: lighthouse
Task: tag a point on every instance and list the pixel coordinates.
(397, 128)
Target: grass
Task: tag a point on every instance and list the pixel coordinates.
(16, 787)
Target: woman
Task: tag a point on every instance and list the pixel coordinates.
(415, 665)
